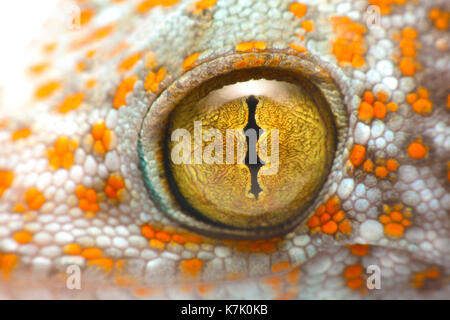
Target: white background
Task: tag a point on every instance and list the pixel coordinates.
(20, 22)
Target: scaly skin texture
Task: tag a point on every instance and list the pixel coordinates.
(72, 192)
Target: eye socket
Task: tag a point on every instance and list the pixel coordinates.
(243, 152)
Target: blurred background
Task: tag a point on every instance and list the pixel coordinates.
(21, 22)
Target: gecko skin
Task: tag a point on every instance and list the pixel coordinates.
(71, 186)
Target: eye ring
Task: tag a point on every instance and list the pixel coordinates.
(247, 66)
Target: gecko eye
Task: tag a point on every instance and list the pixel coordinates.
(251, 154)
(243, 152)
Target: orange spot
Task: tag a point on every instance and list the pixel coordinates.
(297, 47)
(355, 283)
(147, 231)
(72, 249)
(281, 266)
(328, 218)
(392, 106)
(146, 5)
(273, 282)
(163, 236)
(179, 239)
(268, 247)
(20, 134)
(407, 66)
(332, 205)
(118, 49)
(423, 93)
(345, 227)
(105, 263)
(142, 292)
(90, 83)
(80, 66)
(97, 35)
(381, 172)
(49, 47)
(417, 150)
(320, 210)
(129, 62)
(382, 96)
(359, 249)
(87, 199)
(324, 218)
(194, 238)
(339, 216)
(8, 262)
(358, 61)
(188, 63)
(411, 98)
(86, 16)
(62, 153)
(98, 130)
(191, 267)
(313, 222)
(440, 18)
(365, 111)
(298, 9)
(308, 25)
(395, 221)
(396, 216)
(47, 89)
(385, 219)
(19, 208)
(408, 48)
(114, 187)
(91, 253)
(293, 276)
(330, 227)
(125, 87)
(434, 13)
(38, 68)
(353, 271)
(409, 33)
(348, 45)
(392, 165)
(71, 102)
(394, 229)
(406, 223)
(448, 172)
(34, 199)
(251, 46)
(368, 165)
(432, 273)
(204, 4)
(357, 155)
(379, 110)
(22, 237)
(90, 54)
(368, 97)
(155, 243)
(205, 288)
(152, 80)
(422, 106)
(102, 137)
(168, 3)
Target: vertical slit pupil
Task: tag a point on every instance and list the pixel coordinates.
(252, 161)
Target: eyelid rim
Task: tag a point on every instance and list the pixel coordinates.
(153, 131)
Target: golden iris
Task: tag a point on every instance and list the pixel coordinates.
(252, 154)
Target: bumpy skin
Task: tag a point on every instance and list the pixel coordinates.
(395, 217)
